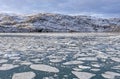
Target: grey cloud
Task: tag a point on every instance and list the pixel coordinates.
(103, 7)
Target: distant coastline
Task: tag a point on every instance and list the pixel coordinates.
(56, 23)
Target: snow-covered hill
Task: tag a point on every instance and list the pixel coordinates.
(48, 22)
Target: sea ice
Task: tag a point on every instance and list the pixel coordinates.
(56, 60)
(73, 63)
(83, 75)
(95, 65)
(115, 59)
(24, 75)
(15, 58)
(95, 70)
(84, 67)
(48, 78)
(25, 63)
(9, 55)
(116, 67)
(3, 61)
(45, 68)
(36, 60)
(8, 66)
(87, 59)
(102, 55)
(79, 55)
(77, 69)
(110, 75)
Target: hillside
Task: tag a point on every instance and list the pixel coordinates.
(57, 23)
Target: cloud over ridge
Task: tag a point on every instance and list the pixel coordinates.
(89, 7)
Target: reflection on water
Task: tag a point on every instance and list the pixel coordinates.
(46, 56)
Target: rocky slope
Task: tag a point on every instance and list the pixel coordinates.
(57, 23)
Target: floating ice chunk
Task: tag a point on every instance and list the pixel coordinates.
(83, 75)
(8, 55)
(50, 49)
(95, 70)
(77, 69)
(24, 75)
(3, 61)
(102, 55)
(56, 60)
(116, 67)
(73, 62)
(45, 68)
(48, 78)
(7, 66)
(15, 58)
(87, 59)
(95, 65)
(14, 54)
(55, 57)
(16, 61)
(25, 63)
(1, 53)
(110, 75)
(36, 60)
(79, 55)
(115, 59)
(84, 67)
(62, 52)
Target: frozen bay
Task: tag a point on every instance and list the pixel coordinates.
(60, 55)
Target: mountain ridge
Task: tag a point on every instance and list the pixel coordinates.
(49, 22)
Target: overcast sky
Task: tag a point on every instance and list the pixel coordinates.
(86, 7)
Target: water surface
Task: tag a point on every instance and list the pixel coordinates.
(60, 55)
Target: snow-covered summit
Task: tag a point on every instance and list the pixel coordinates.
(48, 22)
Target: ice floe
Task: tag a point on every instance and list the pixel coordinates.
(102, 55)
(73, 62)
(83, 75)
(110, 75)
(115, 59)
(56, 60)
(79, 55)
(14, 58)
(36, 60)
(87, 59)
(9, 55)
(24, 75)
(84, 67)
(48, 78)
(8, 66)
(95, 65)
(90, 55)
(42, 67)
(25, 63)
(95, 70)
(116, 67)
(77, 69)
(3, 61)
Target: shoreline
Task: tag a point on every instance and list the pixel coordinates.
(55, 34)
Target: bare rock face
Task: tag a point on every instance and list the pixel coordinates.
(57, 23)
